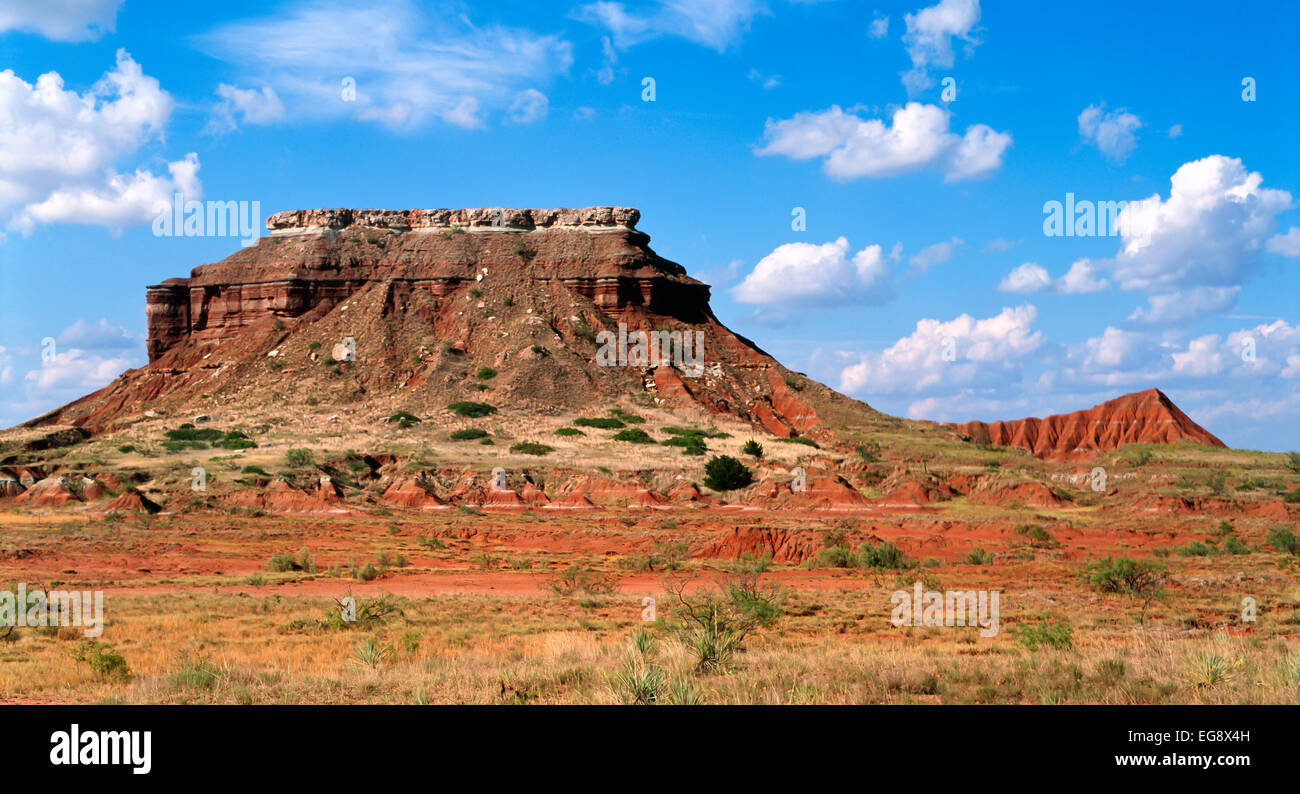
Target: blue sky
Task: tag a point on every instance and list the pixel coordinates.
(920, 141)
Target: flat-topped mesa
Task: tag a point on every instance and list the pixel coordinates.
(480, 218)
(316, 258)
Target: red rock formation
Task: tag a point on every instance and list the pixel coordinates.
(1142, 417)
(430, 287)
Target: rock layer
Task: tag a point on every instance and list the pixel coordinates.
(1145, 417)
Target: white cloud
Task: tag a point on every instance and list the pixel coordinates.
(917, 138)
(529, 106)
(408, 67)
(717, 24)
(805, 274)
(767, 81)
(1114, 133)
(929, 36)
(58, 149)
(998, 245)
(101, 335)
(1081, 279)
(1285, 244)
(1026, 279)
(76, 371)
(1209, 232)
(61, 20)
(1174, 308)
(1031, 277)
(933, 255)
(879, 27)
(609, 59)
(250, 105)
(1176, 131)
(983, 351)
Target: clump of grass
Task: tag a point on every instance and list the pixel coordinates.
(1048, 634)
(569, 431)
(1037, 536)
(631, 419)
(978, 557)
(805, 440)
(485, 373)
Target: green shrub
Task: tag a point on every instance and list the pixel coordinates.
(472, 409)
(631, 419)
(807, 442)
(403, 419)
(869, 451)
(569, 431)
(725, 473)
(1126, 575)
(885, 555)
(300, 456)
(1283, 540)
(978, 557)
(1037, 536)
(258, 470)
(634, 435)
(531, 448)
(752, 448)
(192, 434)
(601, 422)
(468, 434)
(1048, 634)
(485, 373)
(711, 432)
(691, 445)
(103, 660)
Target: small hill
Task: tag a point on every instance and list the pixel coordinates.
(1141, 417)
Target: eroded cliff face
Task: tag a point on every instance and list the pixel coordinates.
(319, 258)
(1141, 417)
(429, 296)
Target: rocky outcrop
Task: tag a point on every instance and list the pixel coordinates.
(400, 302)
(1147, 417)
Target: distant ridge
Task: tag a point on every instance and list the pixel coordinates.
(1141, 417)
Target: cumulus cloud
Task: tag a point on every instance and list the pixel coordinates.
(1176, 131)
(77, 371)
(941, 356)
(716, 25)
(1026, 279)
(1030, 277)
(251, 106)
(1209, 232)
(933, 255)
(916, 138)
(1285, 244)
(879, 27)
(1173, 308)
(408, 67)
(529, 106)
(929, 36)
(59, 149)
(61, 20)
(1114, 133)
(805, 274)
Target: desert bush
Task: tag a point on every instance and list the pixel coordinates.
(725, 473)
(300, 456)
(468, 433)
(1048, 634)
(978, 557)
(1283, 540)
(806, 441)
(531, 448)
(577, 578)
(485, 373)
(1037, 536)
(601, 422)
(102, 659)
(569, 431)
(868, 451)
(624, 416)
(634, 435)
(471, 409)
(714, 623)
(752, 448)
